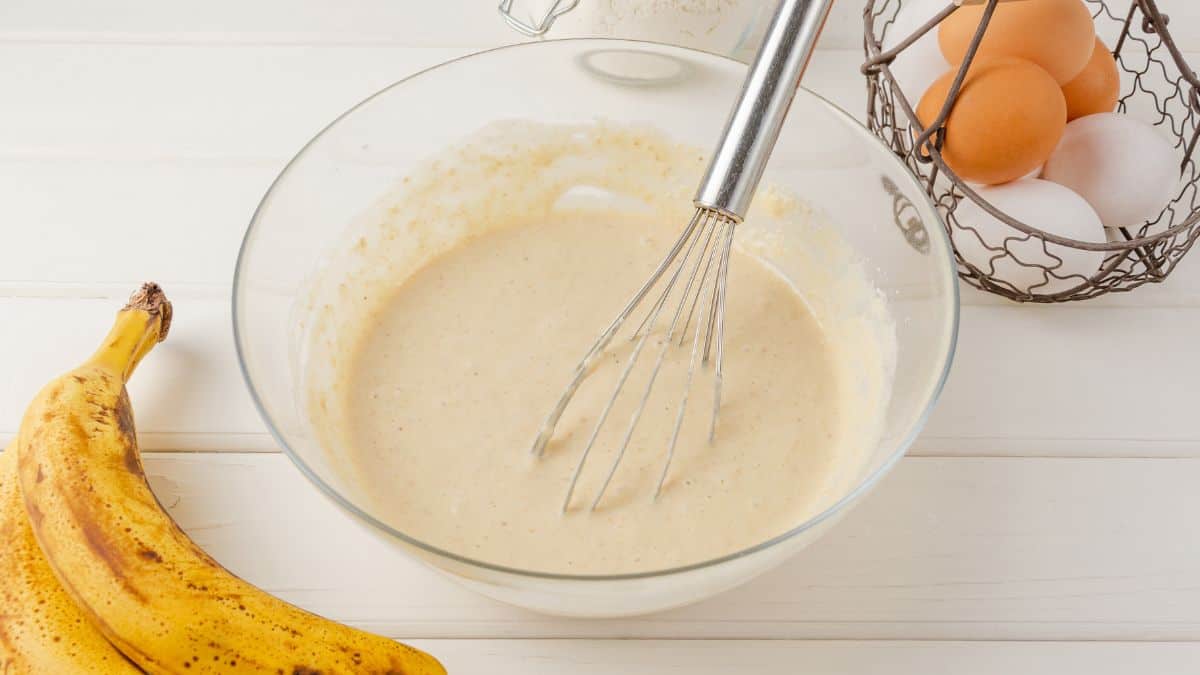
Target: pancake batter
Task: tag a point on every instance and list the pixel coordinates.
(443, 383)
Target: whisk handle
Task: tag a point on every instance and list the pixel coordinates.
(754, 123)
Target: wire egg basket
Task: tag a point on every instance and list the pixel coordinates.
(1157, 86)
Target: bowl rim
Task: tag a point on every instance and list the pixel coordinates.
(949, 332)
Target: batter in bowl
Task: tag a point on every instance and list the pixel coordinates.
(445, 374)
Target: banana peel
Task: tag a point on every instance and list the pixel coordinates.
(41, 629)
(152, 592)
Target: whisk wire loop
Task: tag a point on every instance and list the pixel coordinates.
(581, 370)
(700, 259)
(710, 250)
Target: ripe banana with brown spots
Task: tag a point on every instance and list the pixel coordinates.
(149, 589)
(42, 632)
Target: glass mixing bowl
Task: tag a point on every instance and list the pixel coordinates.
(822, 155)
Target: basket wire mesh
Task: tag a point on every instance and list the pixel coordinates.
(1157, 86)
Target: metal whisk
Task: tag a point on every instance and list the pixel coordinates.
(705, 245)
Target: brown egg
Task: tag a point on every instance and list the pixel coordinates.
(1095, 90)
(1058, 35)
(1007, 120)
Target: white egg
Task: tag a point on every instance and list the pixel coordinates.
(1122, 166)
(922, 62)
(1041, 204)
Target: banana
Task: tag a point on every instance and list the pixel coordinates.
(41, 629)
(149, 589)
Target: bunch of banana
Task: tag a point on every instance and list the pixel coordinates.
(41, 629)
(129, 577)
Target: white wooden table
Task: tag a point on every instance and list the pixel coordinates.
(1047, 521)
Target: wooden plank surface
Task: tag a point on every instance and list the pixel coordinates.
(186, 138)
(410, 23)
(217, 105)
(784, 657)
(1027, 381)
(959, 549)
(163, 190)
(184, 101)
(1050, 498)
(471, 23)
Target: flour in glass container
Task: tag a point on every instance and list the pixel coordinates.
(447, 326)
(720, 26)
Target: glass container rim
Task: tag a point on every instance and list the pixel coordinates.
(949, 332)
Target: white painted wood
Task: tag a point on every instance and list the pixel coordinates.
(188, 105)
(785, 657)
(1080, 380)
(185, 139)
(95, 221)
(1027, 381)
(191, 398)
(1058, 549)
(140, 175)
(407, 22)
(177, 146)
(138, 137)
(170, 102)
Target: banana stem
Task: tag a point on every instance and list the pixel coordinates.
(140, 325)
